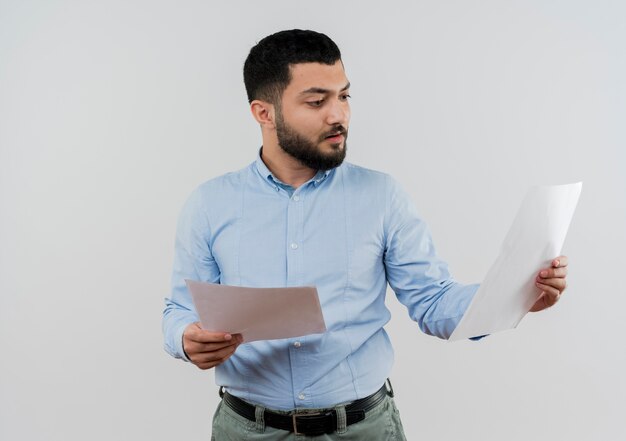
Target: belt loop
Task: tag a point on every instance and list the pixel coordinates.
(389, 387)
(259, 415)
(221, 391)
(342, 420)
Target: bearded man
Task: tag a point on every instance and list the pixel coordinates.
(300, 215)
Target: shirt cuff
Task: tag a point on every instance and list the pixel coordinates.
(179, 342)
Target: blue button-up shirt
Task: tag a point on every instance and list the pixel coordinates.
(349, 231)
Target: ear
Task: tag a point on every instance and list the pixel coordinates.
(263, 112)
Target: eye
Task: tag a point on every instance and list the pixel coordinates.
(317, 103)
(345, 97)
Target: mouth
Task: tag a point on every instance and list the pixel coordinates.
(335, 137)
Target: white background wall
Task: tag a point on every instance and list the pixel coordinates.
(112, 112)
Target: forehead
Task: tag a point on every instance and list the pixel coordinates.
(305, 76)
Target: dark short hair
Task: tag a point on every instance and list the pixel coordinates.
(266, 70)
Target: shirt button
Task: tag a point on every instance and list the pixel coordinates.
(297, 344)
(296, 198)
(302, 396)
(294, 246)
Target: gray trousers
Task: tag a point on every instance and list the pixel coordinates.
(382, 423)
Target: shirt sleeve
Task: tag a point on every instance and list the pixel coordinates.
(420, 279)
(192, 260)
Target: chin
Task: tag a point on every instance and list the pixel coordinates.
(336, 146)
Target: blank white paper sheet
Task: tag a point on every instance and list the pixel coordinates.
(258, 313)
(534, 240)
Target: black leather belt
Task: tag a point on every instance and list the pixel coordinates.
(318, 423)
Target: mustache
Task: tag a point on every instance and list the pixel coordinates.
(336, 130)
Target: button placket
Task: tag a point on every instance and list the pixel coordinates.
(294, 238)
(299, 356)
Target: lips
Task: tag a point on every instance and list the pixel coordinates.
(335, 139)
(336, 136)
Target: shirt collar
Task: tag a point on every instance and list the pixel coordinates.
(262, 168)
(265, 172)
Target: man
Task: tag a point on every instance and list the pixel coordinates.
(299, 215)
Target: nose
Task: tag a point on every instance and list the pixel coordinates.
(338, 113)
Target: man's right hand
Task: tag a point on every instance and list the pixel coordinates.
(208, 349)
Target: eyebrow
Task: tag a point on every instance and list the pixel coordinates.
(323, 91)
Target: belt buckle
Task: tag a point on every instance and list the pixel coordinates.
(294, 421)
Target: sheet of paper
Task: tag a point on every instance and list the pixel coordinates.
(535, 238)
(258, 313)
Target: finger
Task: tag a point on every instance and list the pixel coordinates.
(208, 361)
(218, 337)
(560, 261)
(553, 272)
(195, 333)
(205, 348)
(539, 304)
(204, 336)
(544, 301)
(558, 284)
(217, 355)
(550, 295)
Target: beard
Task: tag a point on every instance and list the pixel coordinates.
(307, 152)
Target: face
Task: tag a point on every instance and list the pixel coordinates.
(312, 120)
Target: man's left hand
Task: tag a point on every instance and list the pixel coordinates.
(552, 283)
